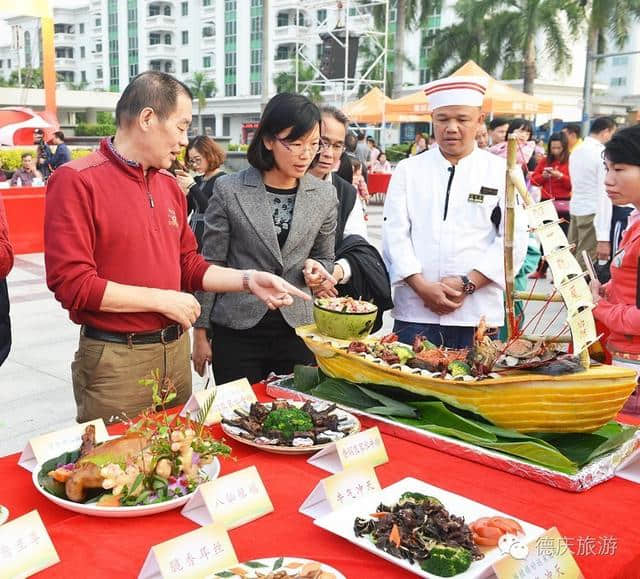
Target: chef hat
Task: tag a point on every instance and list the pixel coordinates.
(456, 90)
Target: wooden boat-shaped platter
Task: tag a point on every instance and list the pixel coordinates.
(514, 399)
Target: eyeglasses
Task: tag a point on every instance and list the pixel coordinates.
(299, 148)
(337, 148)
(195, 160)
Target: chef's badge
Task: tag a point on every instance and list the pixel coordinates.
(475, 198)
(488, 191)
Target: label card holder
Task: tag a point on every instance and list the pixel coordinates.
(547, 556)
(25, 547)
(52, 444)
(362, 448)
(190, 556)
(228, 397)
(341, 489)
(230, 501)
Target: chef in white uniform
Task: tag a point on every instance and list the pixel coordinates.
(444, 223)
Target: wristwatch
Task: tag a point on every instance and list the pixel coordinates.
(468, 287)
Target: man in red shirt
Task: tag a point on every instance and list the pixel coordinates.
(120, 255)
(6, 263)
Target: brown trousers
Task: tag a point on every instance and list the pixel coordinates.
(105, 376)
(582, 232)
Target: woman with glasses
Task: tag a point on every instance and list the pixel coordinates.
(205, 158)
(273, 217)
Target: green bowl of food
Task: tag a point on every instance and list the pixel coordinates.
(344, 318)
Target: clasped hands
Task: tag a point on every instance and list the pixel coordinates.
(319, 280)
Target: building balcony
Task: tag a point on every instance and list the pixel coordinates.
(65, 64)
(163, 65)
(284, 65)
(161, 50)
(64, 39)
(208, 41)
(160, 22)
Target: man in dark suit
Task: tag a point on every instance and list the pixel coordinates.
(359, 269)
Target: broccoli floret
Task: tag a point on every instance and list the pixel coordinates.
(417, 498)
(447, 561)
(288, 421)
(459, 368)
(403, 352)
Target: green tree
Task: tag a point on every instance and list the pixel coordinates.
(286, 81)
(30, 78)
(373, 66)
(202, 88)
(465, 40)
(506, 35)
(410, 15)
(614, 18)
(82, 85)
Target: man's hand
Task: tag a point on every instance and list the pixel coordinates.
(273, 290)
(202, 353)
(439, 297)
(317, 277)
(603, 250)
(180, 307)
(455, 282)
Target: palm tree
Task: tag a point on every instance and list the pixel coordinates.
(604, 16)
(508, 30)
(286, 81)
(465, 40)
(202, 88)
(368, 53)
(410, 15)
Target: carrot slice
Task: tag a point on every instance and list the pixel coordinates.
(484, 541)
(489, 532)
(380, 515)
(481, 521)
(394, 536)
(511, 524)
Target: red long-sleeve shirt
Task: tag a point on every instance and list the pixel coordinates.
(552, 187)
(6, 251)
(619, 309)
(104, 221)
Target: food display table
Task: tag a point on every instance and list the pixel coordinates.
(600, 524)
(378, 183)
(25, 215)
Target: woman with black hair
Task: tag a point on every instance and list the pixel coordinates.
(523, 131)
(552, 176)
(618, 301)
(274, 217)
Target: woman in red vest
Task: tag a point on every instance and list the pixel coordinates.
(618, 301)
(552, 176)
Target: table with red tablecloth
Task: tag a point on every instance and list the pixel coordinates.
(25, 216)
(101, 547)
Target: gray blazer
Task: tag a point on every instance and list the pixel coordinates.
(239, 233)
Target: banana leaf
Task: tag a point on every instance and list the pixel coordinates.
(46, 482)
(306, 377)
(565, 453)
(583, 448)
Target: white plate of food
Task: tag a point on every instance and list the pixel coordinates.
(281, 568)
(287, 427)
(411, 520)
(133, 475)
